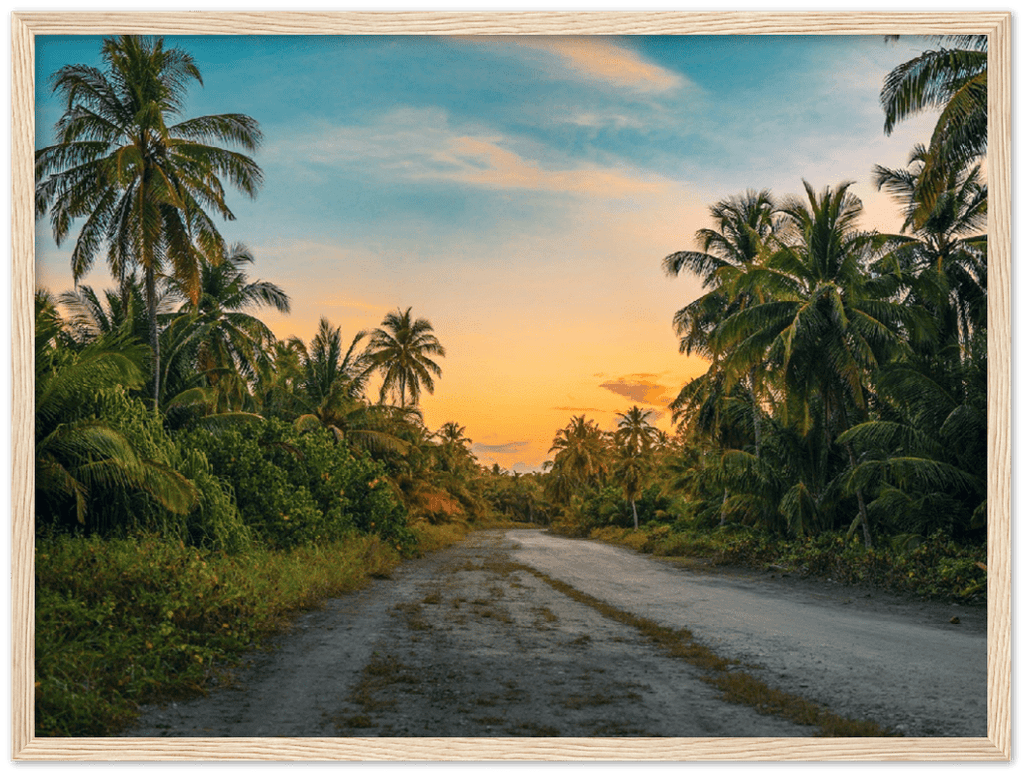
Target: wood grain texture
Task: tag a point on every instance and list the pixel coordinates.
(24, 26)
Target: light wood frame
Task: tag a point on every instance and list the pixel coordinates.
(25, 746)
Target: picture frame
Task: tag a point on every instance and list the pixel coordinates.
(995, 747)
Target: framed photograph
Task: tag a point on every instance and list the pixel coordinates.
(489, 157)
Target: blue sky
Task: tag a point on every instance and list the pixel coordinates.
(520, 192)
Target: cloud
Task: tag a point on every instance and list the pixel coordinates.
(594, 59)
(580, 410)
(420, 145)
(592, 119)
(512, 447)
(640, 388)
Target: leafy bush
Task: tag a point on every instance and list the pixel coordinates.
(296, 488)
(114, 509)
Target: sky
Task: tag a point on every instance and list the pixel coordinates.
(520, 193)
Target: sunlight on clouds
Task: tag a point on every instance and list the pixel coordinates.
(489, 165)
(642, 388)
(597, 59)
(421, 145)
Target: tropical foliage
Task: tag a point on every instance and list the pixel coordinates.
(841, 421)
(143, 180)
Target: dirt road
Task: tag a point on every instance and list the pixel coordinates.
(473, 642)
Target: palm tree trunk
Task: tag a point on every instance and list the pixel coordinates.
(721, 518)
(756, 415)
(154, 336)
(860, 503)
(861, 508)
(636, 519)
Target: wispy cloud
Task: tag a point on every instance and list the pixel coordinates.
(594, 59)
(512, 447)
(421, 145)
(582, 410)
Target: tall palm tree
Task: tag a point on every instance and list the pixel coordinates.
(142, 182)
(400, 350)
(941, 245)
(744, 227)
(953, 78)
(634, 437)
(828, 322)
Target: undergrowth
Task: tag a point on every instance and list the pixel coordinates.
(935, 567)
(125, 621)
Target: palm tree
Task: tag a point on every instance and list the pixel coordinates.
(78, 454)
(581, 454)
(954, 79)
(454, 446)
(634, 439)
(373, 428)
(745, 225)
(123, 310)
(400, 350)
(219, 340)
(634, 431)
(925, 458)
(142, 183)
(828, 322)
(940, 245)
(327, 363)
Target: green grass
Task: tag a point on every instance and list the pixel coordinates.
(935, 567)
(126, 621)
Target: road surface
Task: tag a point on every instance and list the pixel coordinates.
(473, 642)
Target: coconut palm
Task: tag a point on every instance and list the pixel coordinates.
(400, 350)
(744, 225)
(327, 363)
(941, 245)
(581, 454)
(142, 182)
(634, 438)
(953, 79)
(92, 314)
(744, 228)
(828, 322)
(77, 453)
(216, 337)
(454, 447)
(634, 431)
(924, 459)
(372, 428)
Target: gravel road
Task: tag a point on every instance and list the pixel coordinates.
(467, 642)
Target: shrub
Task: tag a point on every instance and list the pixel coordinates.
(296, 488)
(114, 509)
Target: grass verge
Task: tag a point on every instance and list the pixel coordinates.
(122, 622)
(936, 568)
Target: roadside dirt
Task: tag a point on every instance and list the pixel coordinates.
(467, 643)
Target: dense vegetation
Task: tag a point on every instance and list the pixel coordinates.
(198, 478)
(845, 398)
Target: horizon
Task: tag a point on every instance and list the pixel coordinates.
(520, 193)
